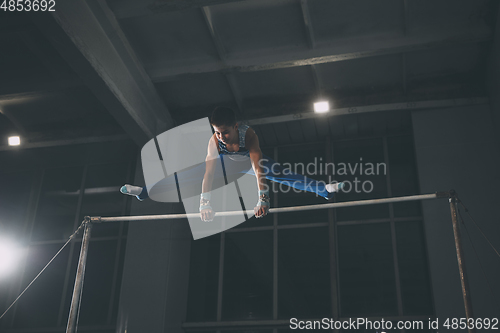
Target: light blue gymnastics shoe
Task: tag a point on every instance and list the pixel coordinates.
(132, 190)
(332, 188)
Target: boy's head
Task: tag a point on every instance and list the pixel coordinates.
(223, 121)
(223, 116)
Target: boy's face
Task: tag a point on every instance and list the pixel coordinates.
(226, 134)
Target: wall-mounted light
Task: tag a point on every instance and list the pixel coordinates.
(14, 141)
(321, 107)
(10, 255)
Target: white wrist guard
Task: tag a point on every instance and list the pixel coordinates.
(205, 201)
(263, 198)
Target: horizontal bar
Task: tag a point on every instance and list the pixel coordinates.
(98, 219)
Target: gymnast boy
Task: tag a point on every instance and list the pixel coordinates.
(240, 143)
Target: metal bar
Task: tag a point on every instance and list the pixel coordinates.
(98, 219)
(75, 301)
(327, 53)
(81, 193)
(307, 24)
(461, 259)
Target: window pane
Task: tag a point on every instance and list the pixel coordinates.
(14, 200)
(248, 276)
(366, 270)
(98, 282)
(360, 163)
(204, 279)
(39, 306)
(119, 278)
(305, 160)
(303, 273)
(412, 259)
(403, 171)
(102, 196)
(58, 201)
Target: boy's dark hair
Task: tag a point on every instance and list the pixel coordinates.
(223, 116)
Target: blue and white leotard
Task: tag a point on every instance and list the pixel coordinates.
(242, 153)
(273, 170)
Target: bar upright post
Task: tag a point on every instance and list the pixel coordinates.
(461, 260)
(80, 273)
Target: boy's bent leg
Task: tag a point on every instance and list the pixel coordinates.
(276, 173)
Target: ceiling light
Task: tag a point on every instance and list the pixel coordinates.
(321, 107)
(14, 141)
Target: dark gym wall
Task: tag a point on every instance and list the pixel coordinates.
(456, 149)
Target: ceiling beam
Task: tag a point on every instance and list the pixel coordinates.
(23, 90)
(371, 108)
(221, 52)
(233, 85)
(348, 49)
(308, 24)
(317, 81)
(164, 6)
(93, 44)
(312, 44)
(219, 46)
(20, 130)
(65, 142)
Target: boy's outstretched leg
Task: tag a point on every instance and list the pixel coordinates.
(140, 193)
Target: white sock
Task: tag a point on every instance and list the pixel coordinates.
(131, 189)
(333, 187)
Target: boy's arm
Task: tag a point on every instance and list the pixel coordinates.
(252, 144)
(210, 162)
(206, 212)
